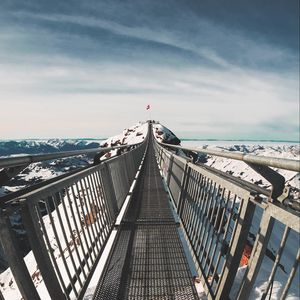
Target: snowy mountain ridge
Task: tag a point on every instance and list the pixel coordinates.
(132, 135)
(21, 147)
(135, 134)
(40, 171)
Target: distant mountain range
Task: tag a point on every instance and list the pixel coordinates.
(37, 172)
(14, 147)
(240, 140)
(45, 170)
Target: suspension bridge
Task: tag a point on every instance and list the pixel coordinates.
(172, 220)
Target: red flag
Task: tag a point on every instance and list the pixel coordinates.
(148, 107)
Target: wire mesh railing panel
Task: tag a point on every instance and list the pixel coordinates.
(233, 238)
(120, 179)
(211, 215)
(175, 178)
(165, 162)
(67, 224)
(274, 261)
(72, 225)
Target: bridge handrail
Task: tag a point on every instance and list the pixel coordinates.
(81, 209)
(217, 214)
(7, 162)
(281, 163)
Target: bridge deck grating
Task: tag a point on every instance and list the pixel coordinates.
(148, 260)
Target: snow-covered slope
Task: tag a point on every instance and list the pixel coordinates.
(48, 169)
(132, 135)
(236, 168)
(44, 170)
(241, 170)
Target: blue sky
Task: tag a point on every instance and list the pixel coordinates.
(209, 69)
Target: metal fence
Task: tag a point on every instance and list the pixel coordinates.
(67, 223)
(238, 241)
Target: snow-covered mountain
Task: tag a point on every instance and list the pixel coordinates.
(241, 170)
(18, 147)
(135, 134)
(40, 171)
(45, 170)
(236, 168)
(165, 135)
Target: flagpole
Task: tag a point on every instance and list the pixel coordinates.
(149, 108)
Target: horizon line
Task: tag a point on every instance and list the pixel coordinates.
(182, 139)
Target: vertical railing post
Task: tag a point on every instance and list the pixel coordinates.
(169, 170)
(15, 259)
(35, 236)
(236, 250)
(126, 178)
(183, 188)
(109, 190)
(257, 255)
(160, 155)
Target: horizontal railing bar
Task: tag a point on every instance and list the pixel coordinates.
(17, 194)
(89, 188)
(227, 177)
(197, 210)
(59, 183)
(281, 163)
(12, 195)
(236, 180)
(6, 162)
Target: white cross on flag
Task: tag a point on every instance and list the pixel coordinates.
(148, 107)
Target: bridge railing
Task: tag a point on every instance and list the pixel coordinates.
(14, 161)
(67, 223)
(11, 166)
(233, 231)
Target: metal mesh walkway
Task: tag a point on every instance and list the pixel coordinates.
(147, 261)
(158, 268)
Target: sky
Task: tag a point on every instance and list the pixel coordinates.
(209, 69)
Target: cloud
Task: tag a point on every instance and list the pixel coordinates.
(237, 49)
(79, 74)
(220, 103)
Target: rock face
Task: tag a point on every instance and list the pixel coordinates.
(165, 135)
